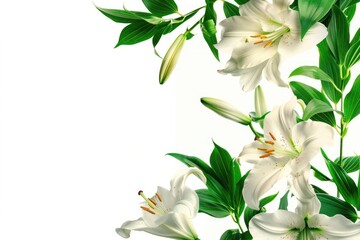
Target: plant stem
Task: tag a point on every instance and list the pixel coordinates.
(237, 220)
(341, 122)
(257, 134)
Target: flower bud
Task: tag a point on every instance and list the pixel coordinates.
(226, 110)
(171, 57)
(260, 102)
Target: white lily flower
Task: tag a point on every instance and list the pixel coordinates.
(263, 34)
(169, 212)
(306, 223)
(287, 147)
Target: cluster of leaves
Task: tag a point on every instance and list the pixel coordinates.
(223, 196)
(338, 54)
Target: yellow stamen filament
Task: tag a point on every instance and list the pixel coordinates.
(152, 200)
(263, 149)
(269, 142)
(147, 210)
(270, 150)
(267, 44)
(256, 36)
(265, 155)
(272, 136)
(158, 196)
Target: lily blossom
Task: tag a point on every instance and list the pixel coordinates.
(306, 223)
(286, 148)
(263, 34)
(169, 212)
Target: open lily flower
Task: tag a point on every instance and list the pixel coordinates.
(306, 223)
(263, 34)
(168, 213)
(286, 148)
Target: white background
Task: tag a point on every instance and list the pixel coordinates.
(85, 126)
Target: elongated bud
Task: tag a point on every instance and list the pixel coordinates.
(226, 110)
(260, 102)
(171, 57)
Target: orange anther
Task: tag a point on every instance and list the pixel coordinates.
(270, 151)
(272, 136)
(265, 155)
(269, 142)
(152, 200)
(147, 210)
(158, 196)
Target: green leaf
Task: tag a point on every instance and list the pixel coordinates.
(250, 213)
(208, 27)
(240, 2)
(231, 234)
(328, 64)
(338, 35)
(353, 55)
(352, 101)
(344, 182)
(319, 175)
(347, 3)
(315, 73)
(331, 206)
(350, 164)
(209, 204)
(311, 11)
(356, 37)
(136, 32)
(284, 201)
(174, 23)
(350, 13)
(314, 107)
(230, 9)
(191, 161)
(161, 7)
(307, 93)
(318, 190)
(125, 16)
(238, 200)
(226, 168)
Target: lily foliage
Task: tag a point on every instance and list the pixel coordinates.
(288, 139)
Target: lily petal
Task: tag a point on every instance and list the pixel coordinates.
(254, 8)
(283, 4)
(311, 136)
(235, 30)
(308, 203)
(251, 153)
(276, 226)
(291, 43)
(272, 72)
(177, 184)
(280, 122)
(250, 80)
(189, 205)
(264, 175)
(128, 226)
(336, 227)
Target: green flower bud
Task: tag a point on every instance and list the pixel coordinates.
(226, 110)
(171, 57)
(260, 102)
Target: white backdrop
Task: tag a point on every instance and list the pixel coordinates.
(85, 126)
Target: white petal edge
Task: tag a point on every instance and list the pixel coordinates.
(177, 184)
(276, 226)
(272, 72)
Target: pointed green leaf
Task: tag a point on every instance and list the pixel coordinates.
(240, 2)
(318, 190)
(307, 93)
(137, 32)
(356, 37)
(343, 181)
(284, 201)
(353, 55)
(338, 35)
(350, 164)
(174, 23)
(161, 7)
(208, 27)
(314, 107)
(352, 101)
(230, 9)
(231, 234)
(209, 204)
(331, 206)
(239, 202)
(311, 11)
(350, 13)
(319, 175)
(250, 213)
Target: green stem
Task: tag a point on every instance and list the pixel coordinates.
(237, 221)
(257, 134)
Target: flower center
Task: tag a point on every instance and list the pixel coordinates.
(274, 146)
(268, 38)
(154, 205)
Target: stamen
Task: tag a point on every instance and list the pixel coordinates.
(267, 44)
(158, 196)
(263, 37)
(152, 200)
(258, 42)
(265, 155)
(263, 149)
(269, 142)
(270, 150)
(272, 136)
(147, 210)
(147, 200)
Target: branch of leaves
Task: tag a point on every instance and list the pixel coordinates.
(223, 196)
